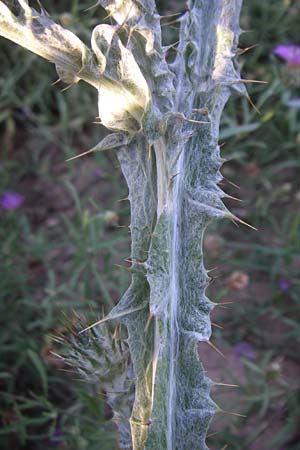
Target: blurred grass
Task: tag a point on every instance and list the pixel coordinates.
(61, 248)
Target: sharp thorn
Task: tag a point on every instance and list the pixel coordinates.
(68, 87)
(81, 154)
(210, 270)
(58, 339)
(67, 370)
(132, 261)
(244, 50)
(214, 324)
(171, 15)
(150, 317)
(91, 326)
(168, 47)
(185, 119)
(57, 355)
(92, 7)
(213, 434)
(55, 82)
(122, 267)
(131, 30)
(242, 222)
(224, 303)
(230, 182)
(170, 23)
(234, 222)
(253, 105)
(116, 332)
(233, 198)
(231, 413)
(215, 348)
(251, 81)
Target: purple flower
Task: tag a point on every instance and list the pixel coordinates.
(11, 200)
(290, 53)
(56, 439)
(98, 172)
(283, 285)
(244, 350)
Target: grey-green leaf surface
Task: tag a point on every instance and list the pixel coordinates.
(175, 408)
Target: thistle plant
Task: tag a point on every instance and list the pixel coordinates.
(164, 116)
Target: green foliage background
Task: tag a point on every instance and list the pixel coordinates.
(61, 250)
